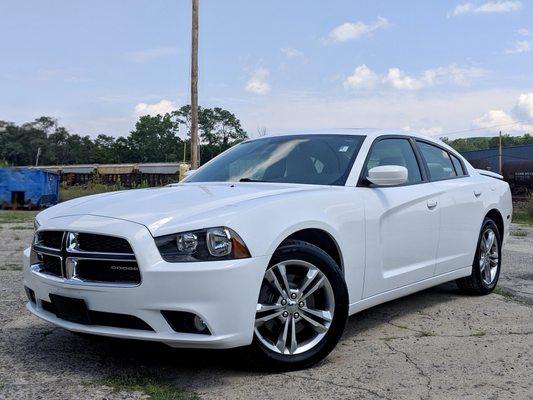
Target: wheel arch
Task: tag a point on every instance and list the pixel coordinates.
(495, 215)
(320, 238)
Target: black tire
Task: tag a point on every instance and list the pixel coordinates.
(474, 284)
(263, 357)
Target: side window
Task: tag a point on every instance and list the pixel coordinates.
(395, 152)
(438, 161)
(458, 166)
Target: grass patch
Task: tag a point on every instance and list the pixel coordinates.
(523, 213)
(73, 192)
(511, 296)
(519, 233)
(10, 267)
(479, 334)
(17, 216)
(94, 187)
(503, 292)
(426, 333)
(389, 338)
(521, 217)
(150, 385)
(21, 228)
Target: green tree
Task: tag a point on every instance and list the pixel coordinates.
(155, 139)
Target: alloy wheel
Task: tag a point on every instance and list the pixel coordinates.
(295, 308)
(488, 256)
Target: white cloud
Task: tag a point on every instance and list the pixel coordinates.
(162, 107)
(520, 46)
(355, 30)
(399, 80)
(495, 120)
(141, 56)
(291, 52)
(258, 83)
(525, 32)
(362, 77)
(524, 106)
(453, 74)
(485, 8)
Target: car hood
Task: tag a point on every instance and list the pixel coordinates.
(169, 206)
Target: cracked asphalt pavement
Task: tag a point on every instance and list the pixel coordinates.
(437, 344)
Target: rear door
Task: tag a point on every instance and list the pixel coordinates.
(460, 201)
(402, 222)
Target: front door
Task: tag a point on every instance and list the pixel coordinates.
(402, 222)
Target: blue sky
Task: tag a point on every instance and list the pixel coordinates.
(440, 67)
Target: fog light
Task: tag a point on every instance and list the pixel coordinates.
(185, 322)
(199, 324)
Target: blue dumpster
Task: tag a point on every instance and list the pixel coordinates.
(28, 188)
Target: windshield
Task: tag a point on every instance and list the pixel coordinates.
(311, 159)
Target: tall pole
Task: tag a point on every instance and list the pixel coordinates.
(194, 86)
(500, 154)
(38, 156)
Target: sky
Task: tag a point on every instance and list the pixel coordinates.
(444, 68)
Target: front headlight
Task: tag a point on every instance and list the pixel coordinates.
(210, 244)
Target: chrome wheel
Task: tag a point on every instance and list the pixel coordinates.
(488, 256)
(295, 308)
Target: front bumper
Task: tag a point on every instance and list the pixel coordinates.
(223, 293)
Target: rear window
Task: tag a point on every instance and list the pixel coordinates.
(438, 161)
(458, 166)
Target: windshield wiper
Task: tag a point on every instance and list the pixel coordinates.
(251, 180)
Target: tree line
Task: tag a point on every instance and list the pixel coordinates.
(154, 139)
(480, 143)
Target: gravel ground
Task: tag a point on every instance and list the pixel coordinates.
(436, 344)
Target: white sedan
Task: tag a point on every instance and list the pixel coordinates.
(272, 244)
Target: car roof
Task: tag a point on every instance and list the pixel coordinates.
(371, 133)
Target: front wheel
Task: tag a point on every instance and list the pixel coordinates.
(302, 308)
(487, 262)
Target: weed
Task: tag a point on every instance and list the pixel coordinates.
(16, 216)
(152, 386)
(503, 292)
(20, 228)
(389, 338)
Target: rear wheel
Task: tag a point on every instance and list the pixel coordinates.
(487, 262)
(302, 308)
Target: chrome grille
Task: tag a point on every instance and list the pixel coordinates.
(78, 257)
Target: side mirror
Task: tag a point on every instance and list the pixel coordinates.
(387, 175)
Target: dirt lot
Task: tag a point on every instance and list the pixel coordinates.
(434, 344)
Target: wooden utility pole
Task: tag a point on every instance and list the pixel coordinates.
(38, 156)
(500, 154)
(194, 86)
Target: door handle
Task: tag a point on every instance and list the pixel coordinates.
(477, 193)
(432, 204)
